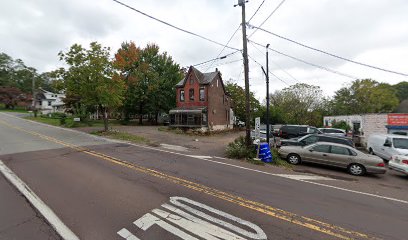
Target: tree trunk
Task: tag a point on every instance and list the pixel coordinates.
(141, 114)
(157, 118)
(105, 119)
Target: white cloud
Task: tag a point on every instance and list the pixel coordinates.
(373, 32)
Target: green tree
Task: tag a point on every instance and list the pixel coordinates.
(401, 90)
(300, 104)
(237, 94)
(150, 78)
(365, 96)
(89, 78)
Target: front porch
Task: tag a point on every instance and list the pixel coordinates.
(192, 117)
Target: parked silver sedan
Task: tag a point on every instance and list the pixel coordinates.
(356, 162)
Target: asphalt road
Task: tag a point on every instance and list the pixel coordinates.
(101, 189)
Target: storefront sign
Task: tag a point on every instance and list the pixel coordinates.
(398, 119)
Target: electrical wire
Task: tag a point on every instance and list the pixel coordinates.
(173, 26)
(331, 54)
(217, 58)
(277, 7)
(222, 50)
(259, 7)
(269, 71)
(290, 75)
(308, 63)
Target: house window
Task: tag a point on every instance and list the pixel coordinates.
(202, 94)
(191, 94)
(181, 95)
(49, 103)
(191, 80)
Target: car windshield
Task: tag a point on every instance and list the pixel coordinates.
(400, 143)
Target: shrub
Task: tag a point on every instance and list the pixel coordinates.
(238, 149)
(342, 125)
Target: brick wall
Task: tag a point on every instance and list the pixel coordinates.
(373, 123)
(218, 105)
(196, 86)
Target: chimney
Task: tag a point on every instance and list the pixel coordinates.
(216, 69)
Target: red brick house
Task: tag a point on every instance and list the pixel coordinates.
(202, 102)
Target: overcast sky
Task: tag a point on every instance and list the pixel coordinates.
(370, 31)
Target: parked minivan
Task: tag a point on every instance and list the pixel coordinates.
(293, 131)
(387, 145)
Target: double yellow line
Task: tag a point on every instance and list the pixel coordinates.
(309, 223)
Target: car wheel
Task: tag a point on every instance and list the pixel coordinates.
(370, 151)
(293, 159)
(356, 169)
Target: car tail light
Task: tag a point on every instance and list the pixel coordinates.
(381, 165)
(404, 161)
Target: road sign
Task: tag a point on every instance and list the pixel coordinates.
(257, 128)
(185, 218)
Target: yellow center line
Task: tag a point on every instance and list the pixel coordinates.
(309, 223)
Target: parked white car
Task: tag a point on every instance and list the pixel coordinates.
(334, 131)
(387, 145)
(399, 163)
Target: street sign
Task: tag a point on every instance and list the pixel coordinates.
(257, 128)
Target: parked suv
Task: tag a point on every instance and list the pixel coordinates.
(293, 131)
(313, 138)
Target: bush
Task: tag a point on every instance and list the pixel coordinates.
(342, 125)
(57, 115)
(238, 149)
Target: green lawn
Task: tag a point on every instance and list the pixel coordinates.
(69, 122)
(122, 136)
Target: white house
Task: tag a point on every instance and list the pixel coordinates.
(49, 102)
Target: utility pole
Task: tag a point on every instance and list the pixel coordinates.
(241, 3)
(267, 94)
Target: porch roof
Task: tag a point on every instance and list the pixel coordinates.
(188, 110)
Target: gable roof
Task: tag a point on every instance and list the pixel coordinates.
(203, 78)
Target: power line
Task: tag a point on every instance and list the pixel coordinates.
(171, 25)
(308, 63)
(269, 71)
(217, 58)
(224, 46)
(277, 7)
(331, 54)
(290, 75)
(259, 7)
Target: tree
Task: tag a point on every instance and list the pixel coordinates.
(401, 90)
(365, 96)
(89, 78)
(300, 104)
(150, 78)
(9, 96)
(237, 94)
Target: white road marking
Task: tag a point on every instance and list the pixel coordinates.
(213, 161)
(358, 192)
(303, 177)
(259, 234)
(148, 220)
(48, 214)
(127, 235)
(200, 157)
(193, 223)
(174, 147)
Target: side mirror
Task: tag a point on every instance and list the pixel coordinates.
(387, 144)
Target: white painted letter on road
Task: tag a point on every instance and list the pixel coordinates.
(187, 219)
